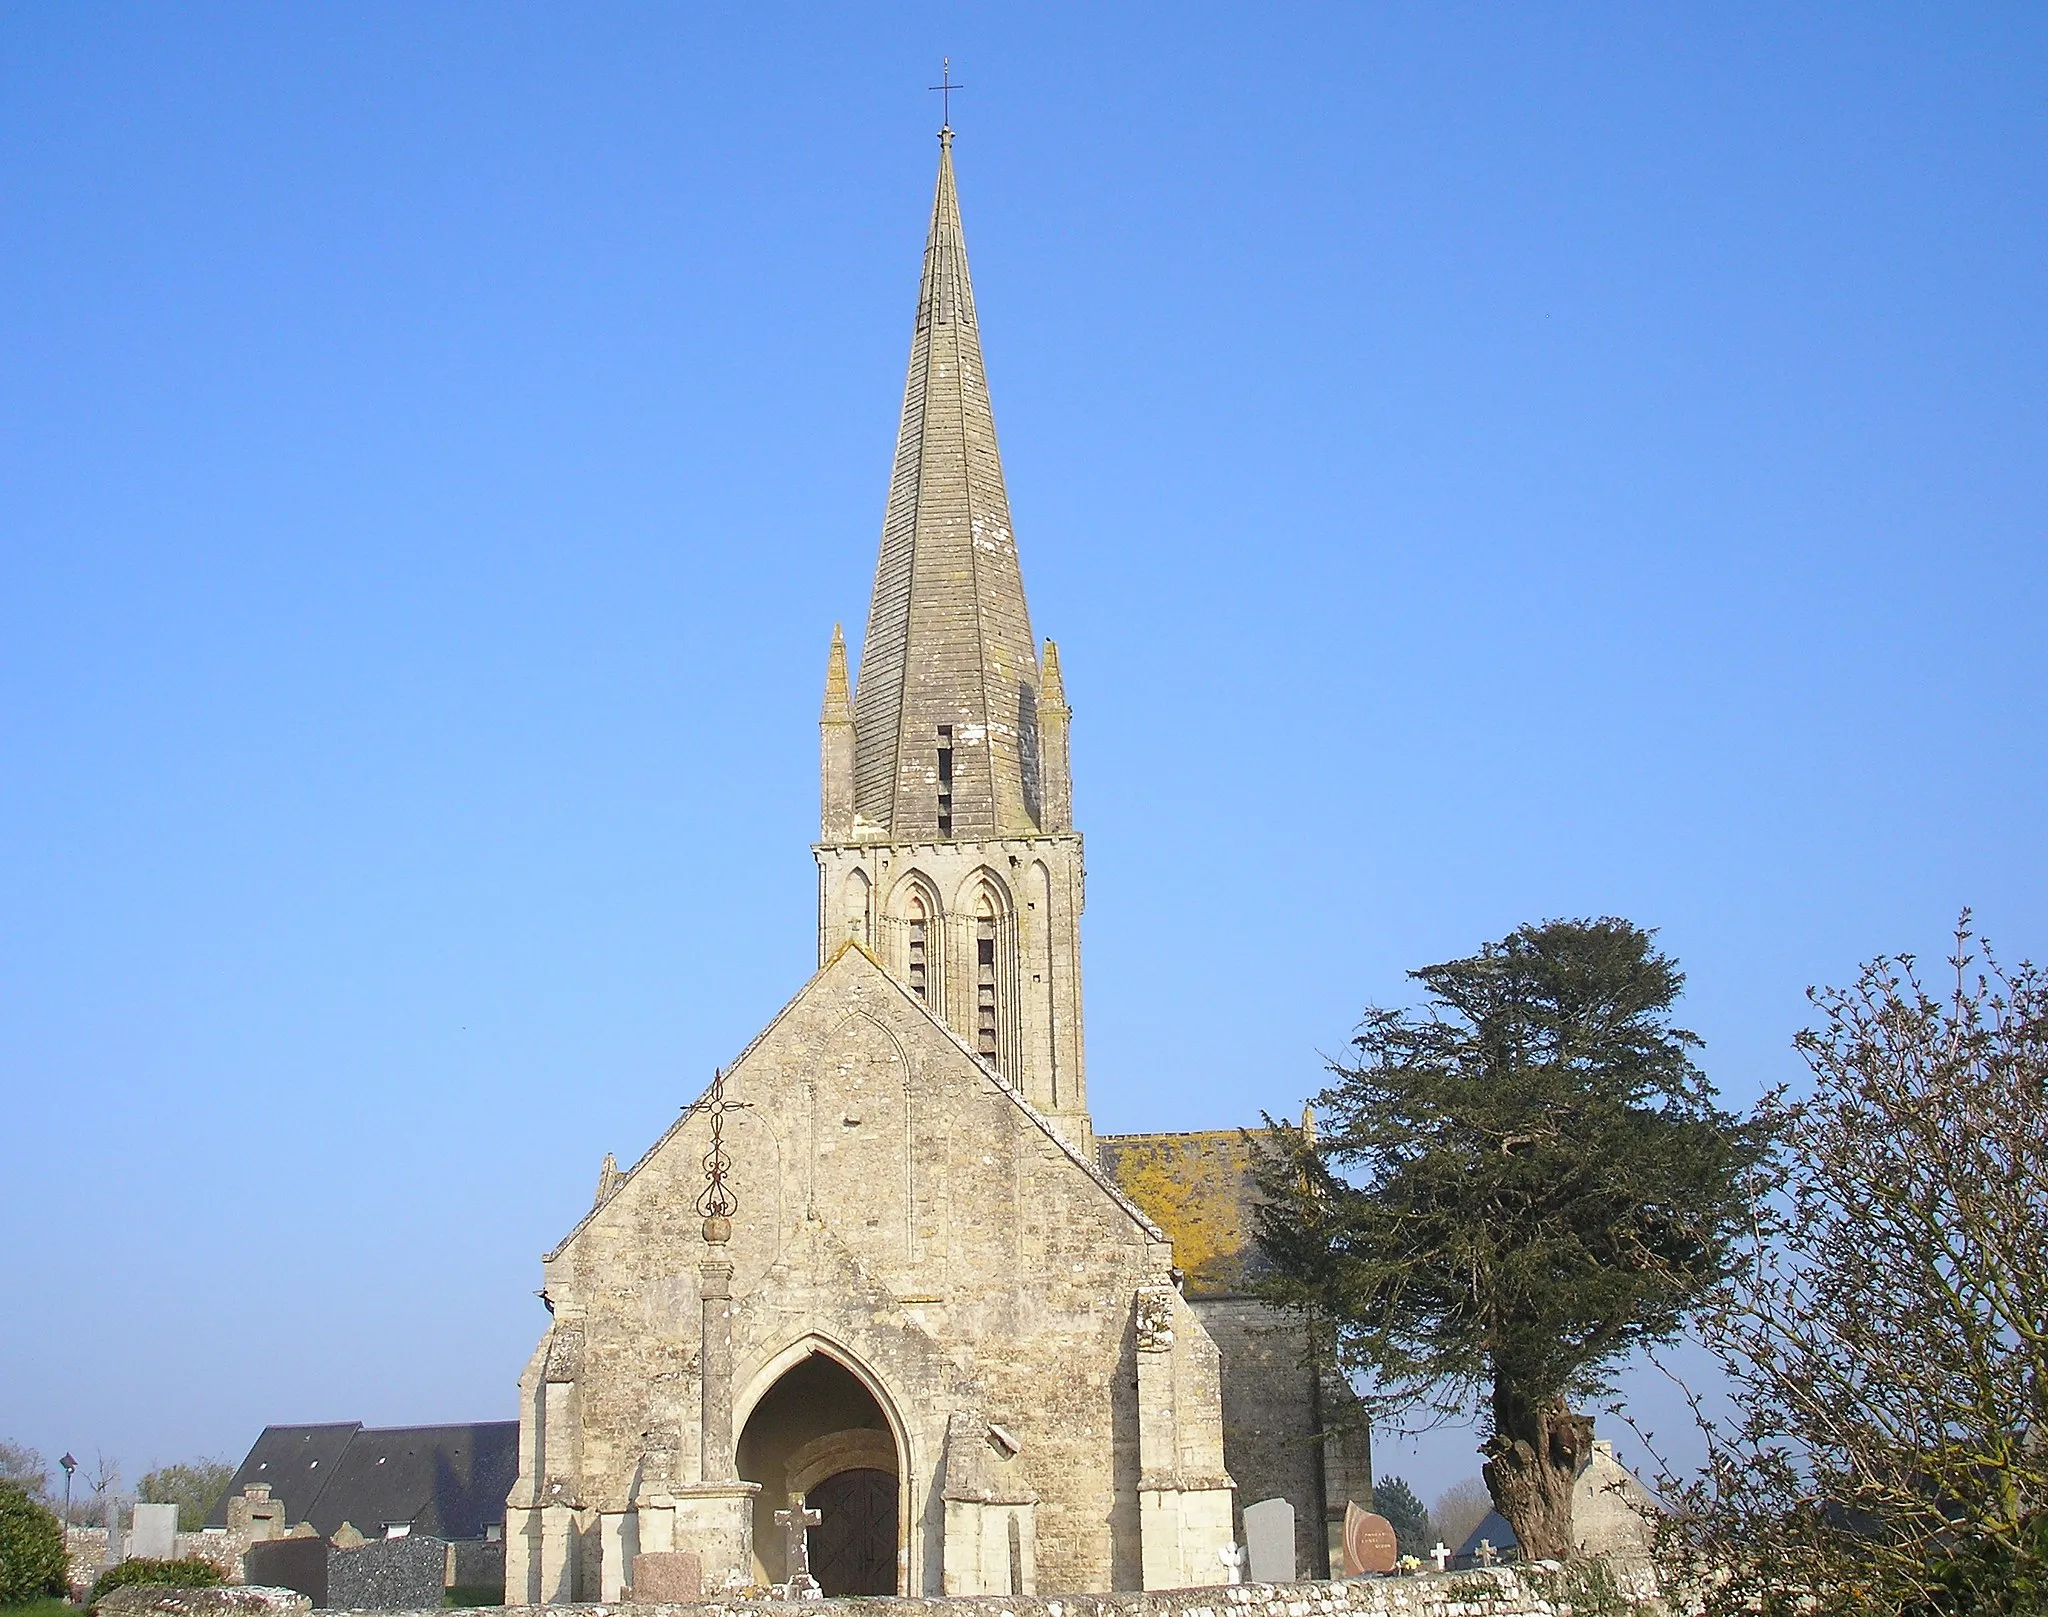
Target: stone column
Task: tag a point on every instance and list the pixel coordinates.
(714, 1515)
(714, 1431)
(619, 1539)
(557, 1554)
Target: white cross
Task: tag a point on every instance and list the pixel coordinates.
(1440, 1555)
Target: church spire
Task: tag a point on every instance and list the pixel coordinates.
(946, 710)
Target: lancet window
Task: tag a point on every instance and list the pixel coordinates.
(917, 961)
(985, 979)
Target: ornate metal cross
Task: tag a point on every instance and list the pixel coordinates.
(946, 87)
(718, 1201)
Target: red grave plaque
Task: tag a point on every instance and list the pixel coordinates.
(1368, 1543)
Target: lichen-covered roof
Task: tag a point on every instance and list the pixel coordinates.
(1198, 1187)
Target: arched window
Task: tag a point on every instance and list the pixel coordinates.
(917, 962)
(858, 899)
(985, 979)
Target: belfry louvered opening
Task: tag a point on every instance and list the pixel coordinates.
(985, 1042)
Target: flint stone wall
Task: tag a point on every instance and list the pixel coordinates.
(388, 1574)
(1484, 1592)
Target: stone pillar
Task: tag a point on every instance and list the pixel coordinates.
(618, 1543)
(714, 1446)
(715, 1515)
(523, 1532)
(835, 748)
(1056, 781)
(716, 1519)
(557, 1554)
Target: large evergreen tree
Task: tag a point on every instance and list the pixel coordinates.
(1406, 1514)
(1514, 1186)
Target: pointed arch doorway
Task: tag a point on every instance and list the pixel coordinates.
(817, 1436)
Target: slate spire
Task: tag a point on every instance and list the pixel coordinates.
(948, 678)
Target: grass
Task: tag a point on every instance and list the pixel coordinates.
(42, 1608)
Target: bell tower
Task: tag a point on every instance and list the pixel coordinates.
(946, 843)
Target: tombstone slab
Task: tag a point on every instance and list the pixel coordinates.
(153, 1532)
(1269, 1540)
(667, 1576)
(115, 1532)
(389, 1574)
(290, 1563)
(1369, 1543)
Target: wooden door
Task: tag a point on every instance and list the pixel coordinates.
(853, 1547)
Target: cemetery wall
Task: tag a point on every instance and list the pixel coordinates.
(224, 1547)
(1483, 1592)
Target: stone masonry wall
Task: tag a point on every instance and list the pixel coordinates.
(901, 1212)
(224, 1548)
(1486, 1592)
(1270, 1442)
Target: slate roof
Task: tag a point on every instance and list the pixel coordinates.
(447, 1481)
(297, 1462)
(1492, 1529)
(949, 636)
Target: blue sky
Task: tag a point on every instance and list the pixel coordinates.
(1480, 464)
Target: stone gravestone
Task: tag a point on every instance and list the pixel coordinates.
(389, 1574)
(1369, 1545)
(795, 1523)
(155, 1532)
(667, 1577)
(1269, 1540)
(114, 1556)
(290, 1563)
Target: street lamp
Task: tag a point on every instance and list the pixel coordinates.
(70, 1465)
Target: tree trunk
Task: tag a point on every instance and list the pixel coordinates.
(1532, 1460)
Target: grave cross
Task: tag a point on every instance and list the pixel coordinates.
(1440, 1555)
(1486, 1554)
(796, 1556)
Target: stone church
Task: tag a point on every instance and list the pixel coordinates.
(886, 1271)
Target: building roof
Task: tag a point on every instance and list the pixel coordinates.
(948, 640)
(297, 1462)
(447, 1481)
(1198, 1188)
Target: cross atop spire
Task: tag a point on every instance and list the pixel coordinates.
(945, 87)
